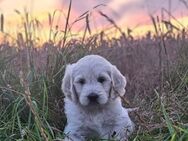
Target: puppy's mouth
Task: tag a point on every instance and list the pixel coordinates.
(93, 99)
(94, 103)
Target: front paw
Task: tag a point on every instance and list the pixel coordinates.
(122, 134)
(74, 138)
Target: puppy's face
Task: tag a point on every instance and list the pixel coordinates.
(93, 81)
(92, 85)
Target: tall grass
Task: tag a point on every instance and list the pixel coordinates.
(31, 101)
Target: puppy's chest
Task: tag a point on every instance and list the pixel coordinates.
(100, 122)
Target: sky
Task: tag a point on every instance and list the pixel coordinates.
(133, 14)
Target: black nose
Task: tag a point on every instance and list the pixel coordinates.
(93, 97)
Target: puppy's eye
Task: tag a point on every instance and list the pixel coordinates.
(82, 81)
(101, 79)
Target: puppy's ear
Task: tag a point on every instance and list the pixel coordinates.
(67, 83)
(118, 81)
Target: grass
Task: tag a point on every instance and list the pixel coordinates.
(31, 101)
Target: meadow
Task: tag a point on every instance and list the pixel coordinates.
(155, 65)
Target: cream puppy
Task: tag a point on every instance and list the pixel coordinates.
(92, 88)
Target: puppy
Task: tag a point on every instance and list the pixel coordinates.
(92, 88)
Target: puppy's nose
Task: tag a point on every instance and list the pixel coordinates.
(93, 97)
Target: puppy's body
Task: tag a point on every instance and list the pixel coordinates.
(92, 87)
(111, 121)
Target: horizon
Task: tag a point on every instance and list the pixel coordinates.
(124, 13)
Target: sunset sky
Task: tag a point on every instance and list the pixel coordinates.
(132, 14)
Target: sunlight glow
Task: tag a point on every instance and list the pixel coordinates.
(131, 15)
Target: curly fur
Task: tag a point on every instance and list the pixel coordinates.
(102, 116)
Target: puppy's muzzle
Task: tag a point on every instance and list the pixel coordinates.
(93, 97)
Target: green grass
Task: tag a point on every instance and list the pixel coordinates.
(31, 100)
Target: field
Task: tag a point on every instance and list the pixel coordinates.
(156, 67)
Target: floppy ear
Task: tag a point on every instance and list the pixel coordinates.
(67, 84)
(118, 81)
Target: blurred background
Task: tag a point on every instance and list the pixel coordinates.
(128, 14)
(146, 39)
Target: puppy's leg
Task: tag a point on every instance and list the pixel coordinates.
(116, 135)
(73, 137)
(121, 133)
(73, 133)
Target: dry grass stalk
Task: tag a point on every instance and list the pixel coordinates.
(2, 23)
(111, 21)
(67, 24)
(27, 96)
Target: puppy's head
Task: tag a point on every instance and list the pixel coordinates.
(93, 81)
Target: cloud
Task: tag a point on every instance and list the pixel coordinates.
(124, 4)
(135, 12)
(8, 6)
